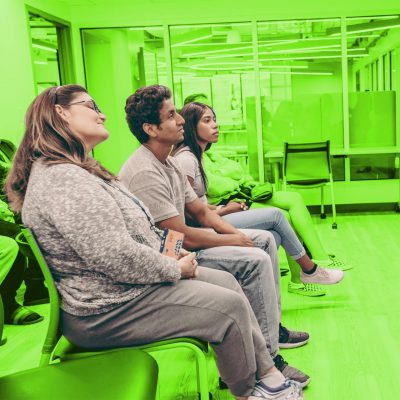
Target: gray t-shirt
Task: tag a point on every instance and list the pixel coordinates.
(163, 188)
(190, 166)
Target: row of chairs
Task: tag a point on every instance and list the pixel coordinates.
(64, 365)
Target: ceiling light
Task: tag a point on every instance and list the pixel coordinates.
(46, 48)
(367, 27)
(301, 73)
(191, 40)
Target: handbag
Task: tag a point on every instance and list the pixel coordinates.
(262, 192)
(250, 192)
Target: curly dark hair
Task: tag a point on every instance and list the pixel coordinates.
(144, 107)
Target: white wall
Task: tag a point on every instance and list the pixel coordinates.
(16, 72)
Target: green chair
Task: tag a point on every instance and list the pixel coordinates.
(127, 374)
(2, 339)
(308, 165)
(57, 347)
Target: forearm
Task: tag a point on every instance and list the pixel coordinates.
(197, 238)
(222, 210)
(211, 219)
(219, 210)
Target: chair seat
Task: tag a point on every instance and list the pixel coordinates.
(66, 350)
(308, 182)
(119, 375)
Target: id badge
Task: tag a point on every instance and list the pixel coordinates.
(171, 243)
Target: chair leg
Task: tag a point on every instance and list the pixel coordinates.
(201, 365)
(2, 340)
(334, 224)
(323, 215)
(202, 374)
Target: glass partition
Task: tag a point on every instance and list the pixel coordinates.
(300, 94)
(301, 82)
(44, 42)
(373, 108)
(301, 85)
(217, 61)
(117, 62)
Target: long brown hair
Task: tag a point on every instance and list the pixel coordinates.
(48, 138)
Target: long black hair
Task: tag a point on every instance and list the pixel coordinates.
(192, 113)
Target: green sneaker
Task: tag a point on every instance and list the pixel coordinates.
(334, 263)
(306, 289)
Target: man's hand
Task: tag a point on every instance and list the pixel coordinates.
(240, 239)
(188, 266)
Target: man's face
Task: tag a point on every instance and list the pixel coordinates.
(170, 131)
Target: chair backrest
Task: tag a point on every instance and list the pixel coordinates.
(53, 330)
(306, 162)
(7, 150)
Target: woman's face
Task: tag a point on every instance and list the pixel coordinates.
(86, 120)
(207, 128)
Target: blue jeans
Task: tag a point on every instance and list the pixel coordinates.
(256, 269)
(270, 219)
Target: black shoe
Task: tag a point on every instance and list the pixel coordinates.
(290, 372)
(284, 271)
(290, 339)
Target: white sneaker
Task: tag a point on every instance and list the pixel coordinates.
(334, 263)
(323, 276)
(289, 390)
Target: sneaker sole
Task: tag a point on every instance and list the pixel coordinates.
(306, 293)
(321, 283)
(293, 345)
(304, 384)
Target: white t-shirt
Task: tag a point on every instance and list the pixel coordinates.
(190, 166)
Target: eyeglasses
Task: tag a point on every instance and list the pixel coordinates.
(88, 103)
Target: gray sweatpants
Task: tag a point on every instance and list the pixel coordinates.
(257, 271)
(211, 307)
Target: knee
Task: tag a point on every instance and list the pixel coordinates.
(260, 258)
(295, 197)
(235, 305)
(277, 215)
(264, 236)
(229, 280)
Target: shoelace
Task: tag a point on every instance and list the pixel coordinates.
(311, 287)
(335, 262)
(283, 336)
(323, 272)
(296, 392)
(280, 362)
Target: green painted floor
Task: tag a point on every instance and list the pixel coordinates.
(354, 351)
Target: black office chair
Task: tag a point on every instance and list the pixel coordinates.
(308, 165)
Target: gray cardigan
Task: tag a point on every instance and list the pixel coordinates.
(97, 241)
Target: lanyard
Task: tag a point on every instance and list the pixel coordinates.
(138, 203)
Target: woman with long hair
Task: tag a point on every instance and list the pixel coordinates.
(201, 131)
(104, 252)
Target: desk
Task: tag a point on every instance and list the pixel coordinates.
(275, 157)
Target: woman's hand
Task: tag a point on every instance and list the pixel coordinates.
(234, 206)
(183, 253)
(188, 266)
